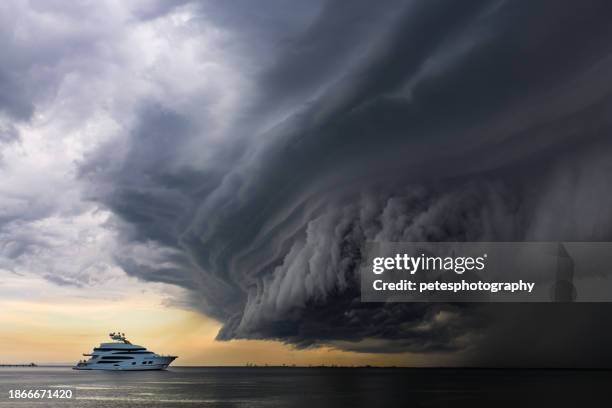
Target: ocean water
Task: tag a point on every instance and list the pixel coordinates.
(310, 387)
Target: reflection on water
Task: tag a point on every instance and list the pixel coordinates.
(308, 387)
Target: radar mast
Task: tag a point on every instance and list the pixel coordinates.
(119, 337)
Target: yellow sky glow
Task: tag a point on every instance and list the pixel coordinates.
(52, 331)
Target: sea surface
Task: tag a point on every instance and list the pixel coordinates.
(310, 387)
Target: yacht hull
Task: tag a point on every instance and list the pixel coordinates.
(158, 363)
(151, 368)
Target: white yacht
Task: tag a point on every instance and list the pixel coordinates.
(123, 355)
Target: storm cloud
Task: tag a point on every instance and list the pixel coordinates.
(308, 129)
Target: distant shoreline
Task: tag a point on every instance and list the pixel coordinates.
(334, 367)
(19, 365)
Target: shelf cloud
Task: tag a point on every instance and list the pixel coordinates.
(264, 146)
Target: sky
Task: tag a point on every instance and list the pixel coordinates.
(202, 175)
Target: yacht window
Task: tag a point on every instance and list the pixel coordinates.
(133, 352)
(117, 358)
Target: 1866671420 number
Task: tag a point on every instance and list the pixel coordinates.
(41, 394)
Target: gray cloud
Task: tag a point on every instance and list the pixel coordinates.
(58, 280)
(12, 99)
(414, 121)
(61, 66)
(8, 134)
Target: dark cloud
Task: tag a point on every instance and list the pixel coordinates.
(434, 120)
